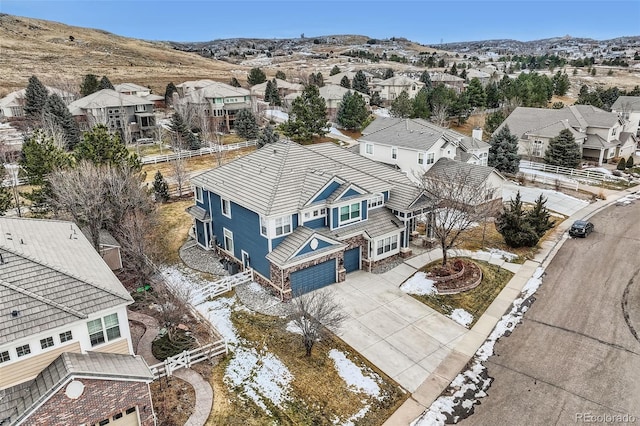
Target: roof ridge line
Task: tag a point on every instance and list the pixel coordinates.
(63, 271)
(279, 173)
(44, 299)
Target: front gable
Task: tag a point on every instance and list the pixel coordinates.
(315, 243)
(324, 193)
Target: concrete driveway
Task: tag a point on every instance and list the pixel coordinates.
(556, 201)
(403, 337)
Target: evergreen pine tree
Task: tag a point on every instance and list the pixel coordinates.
(308, 116)
(280, 75)
(402, 106)
(463, 74)
(493, 121)
(246, 125)
(563, 150)
(274, 94)
(454, 70)
(622, 164)
(6, 198)
(267, 136)
(99, 146)
(514, 227)
(268, 90)
(421, 104)
(493, 95)
(56, 111)
(503, 153)
(476, 93)
(234, 82)
(344, 82)
(35, 97)
(539, 217)
(630, 162)
(105, 84)
(160, 188)
(335, 70)
(375, 100)
(426, 79)
(168, 93)
(256, 76)
(359, 82)
(560, 83)
(185, 137)
(89, 85)
(352, 112)
(388, 73)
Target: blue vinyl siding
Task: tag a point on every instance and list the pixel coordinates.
(307, 248)
(327, 191)
(200, 233)
(334, 218)
(315, 223)
(350, 193)
(363, 210)
(386, 196)
(245, 226)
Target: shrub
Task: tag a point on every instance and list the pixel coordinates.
(622, 164)
(630, 162)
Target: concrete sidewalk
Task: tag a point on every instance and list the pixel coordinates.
(466, 347)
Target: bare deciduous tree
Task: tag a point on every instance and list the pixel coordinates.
(137, 245)
(314, 313)
(218, 147)
(55, 131)
(459, 203)
(439, 115)
(180, 174)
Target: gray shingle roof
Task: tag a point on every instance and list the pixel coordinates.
(626, 104)
(282, 177)
(105, 98)
(216, 90)
(97, 365)
(51, 275)
(444, 168)
(379, 222)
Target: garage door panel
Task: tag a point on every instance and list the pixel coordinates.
(313, 277)
(352, 259)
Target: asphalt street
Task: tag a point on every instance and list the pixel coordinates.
(576, 356)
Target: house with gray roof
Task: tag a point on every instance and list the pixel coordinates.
(218, 101)
(118, 111)
(332, 95)
(391, 88)
(601, 135)
(415, 145)
(141, 92)
(628, 108)
(62, 302)
(12, 105)
(304, 216)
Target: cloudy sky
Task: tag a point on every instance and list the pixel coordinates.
(424, 21)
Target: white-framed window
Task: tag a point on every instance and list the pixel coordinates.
(368, 148)
(484, 159)
(141, 108)
(421, 158)
(386, 245)
(613, 131)
(23, 350)
(376, 201)
(394, 153)
(4, 356)
(97, 328)
(349, 213)
(228, 240)
(314, 214)
(66, 336)
(537, 149)
(198, 193)
(263, 226)
(283, 225)
(225, 207)
(47, 342)
(431, 157)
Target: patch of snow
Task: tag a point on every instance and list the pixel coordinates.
(218, 312)
(419, 284)
(352, 374)
(292, 327)
(382, 112)
(183, 283)
(357, 416)
(547, 174)
(508, 256)
(598, 169)
(475, 381)
(461, 316)
(335, 131)
(276, 115)
(260, 375)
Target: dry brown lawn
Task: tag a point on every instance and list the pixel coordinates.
(173, 401)
(172, 229)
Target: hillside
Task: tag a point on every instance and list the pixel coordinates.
(44, 48)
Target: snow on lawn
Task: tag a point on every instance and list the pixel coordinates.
(352, 374)
(276, 115)
(506, 255)
(470, 385)
(218, 312)
(461, 316)
(598, 169)
(260, 375)
(294, 328)
(547, 174)
(382, 112)
(419, 284)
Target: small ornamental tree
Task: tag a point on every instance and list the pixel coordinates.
(160, 188)
(514, 227)
(503, 152)
(539, 217)
(168, 93)
(335, 70)
(563, 150)
(352, 112)
(36, 96)
(359, 82)
(630, 162)
(622, 164)
(344, 82)
(256, 76)
(246, 125)
(402, 106)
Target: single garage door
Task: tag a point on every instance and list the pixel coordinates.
(352, 259)
(313, 277)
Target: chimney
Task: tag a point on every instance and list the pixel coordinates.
(477, 133)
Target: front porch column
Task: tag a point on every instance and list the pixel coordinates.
(601, 157)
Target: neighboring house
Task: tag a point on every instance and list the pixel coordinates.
(109, 248)
(115, 110)
(628, 108)
(487, 178)
(59, 297)
(284, 88)
(337, 78)
(191, 86)
(304, 216)
(219, 101)
(391, 88)
(600, 134)
(448, 80)
(141, 92)
(414, 145)
(332, 96)
(12, 105)
(484, 77)
(92, 389)
(11, 140)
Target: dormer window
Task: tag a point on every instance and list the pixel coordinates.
(376, 201)
(349, 213)
(283, 225)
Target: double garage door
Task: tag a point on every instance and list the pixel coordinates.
(313, 277)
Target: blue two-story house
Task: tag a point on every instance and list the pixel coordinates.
(304, 216)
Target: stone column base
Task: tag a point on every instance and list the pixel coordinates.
(405, 252)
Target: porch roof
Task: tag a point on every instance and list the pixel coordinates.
(199, 213)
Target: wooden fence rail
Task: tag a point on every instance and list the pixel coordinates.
(154, 159)
(221, 286)
(186, 359)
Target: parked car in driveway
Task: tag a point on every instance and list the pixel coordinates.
(581, 228)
